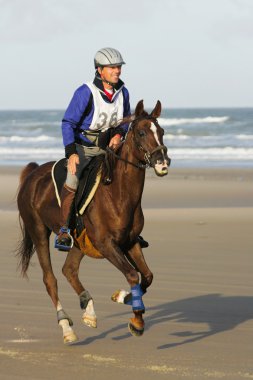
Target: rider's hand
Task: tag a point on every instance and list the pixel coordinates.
(72, 162)
(115, 141)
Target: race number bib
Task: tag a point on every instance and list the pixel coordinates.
(103, 120)
(106, 115)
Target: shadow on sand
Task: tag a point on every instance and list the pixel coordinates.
(218, 313)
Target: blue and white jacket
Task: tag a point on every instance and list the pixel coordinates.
(79, 115)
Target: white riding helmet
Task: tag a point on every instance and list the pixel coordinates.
(108, 57)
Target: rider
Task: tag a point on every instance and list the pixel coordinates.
(89, 124)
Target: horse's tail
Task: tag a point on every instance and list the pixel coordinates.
(25, 248)
(26, 171)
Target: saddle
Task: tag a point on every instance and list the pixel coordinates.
(88, 182)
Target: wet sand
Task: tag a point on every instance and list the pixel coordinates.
(199, 309)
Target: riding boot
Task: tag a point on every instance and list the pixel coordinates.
(64, 240)
(143, 243)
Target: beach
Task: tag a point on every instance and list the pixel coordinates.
(199, 309)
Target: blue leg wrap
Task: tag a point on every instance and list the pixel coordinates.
(129, 302)
(128, 298)
(137, 293)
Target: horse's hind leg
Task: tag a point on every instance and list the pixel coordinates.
(70, 271)
(40, 238)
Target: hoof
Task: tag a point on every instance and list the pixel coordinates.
(90, 321)
(70, 338)
(115, 296)
(119, 296)
(134, 330)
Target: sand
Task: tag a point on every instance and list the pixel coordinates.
(199, 309)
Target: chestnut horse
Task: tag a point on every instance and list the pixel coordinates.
(113, 221)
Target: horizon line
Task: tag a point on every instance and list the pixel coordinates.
(172, 108)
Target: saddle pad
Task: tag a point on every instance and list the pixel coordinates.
(86, 246)
(88, 182)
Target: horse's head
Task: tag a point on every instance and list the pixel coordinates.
(148, 138)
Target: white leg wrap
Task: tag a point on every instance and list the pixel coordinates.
(89, 316)
(68, 333)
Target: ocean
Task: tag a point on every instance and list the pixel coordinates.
(196, 138)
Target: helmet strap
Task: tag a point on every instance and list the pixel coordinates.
(103, 80)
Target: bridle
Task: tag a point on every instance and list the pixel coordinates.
(147, 153)
(140, 165)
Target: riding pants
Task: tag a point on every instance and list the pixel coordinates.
(85, 155)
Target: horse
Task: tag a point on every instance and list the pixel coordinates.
(113, 221)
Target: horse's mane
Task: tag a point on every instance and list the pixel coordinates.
(130, 118)
(107, 168)
(126, 120)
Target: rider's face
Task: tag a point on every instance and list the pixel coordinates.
(110, 74)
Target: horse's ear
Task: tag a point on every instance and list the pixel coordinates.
(139, 108)
(157, 110)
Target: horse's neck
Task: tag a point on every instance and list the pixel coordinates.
(128, 178)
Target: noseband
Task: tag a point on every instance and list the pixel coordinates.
(148, 154)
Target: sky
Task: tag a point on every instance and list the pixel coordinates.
(186, 53)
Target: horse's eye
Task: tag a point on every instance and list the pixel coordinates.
(142, 133)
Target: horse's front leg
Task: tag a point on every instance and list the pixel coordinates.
(70, 271)
(112, 252)
(136, 258)
(135, 255)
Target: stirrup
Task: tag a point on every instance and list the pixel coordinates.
(66, 243)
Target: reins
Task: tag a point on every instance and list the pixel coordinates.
(108, 178)
(139, 165)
